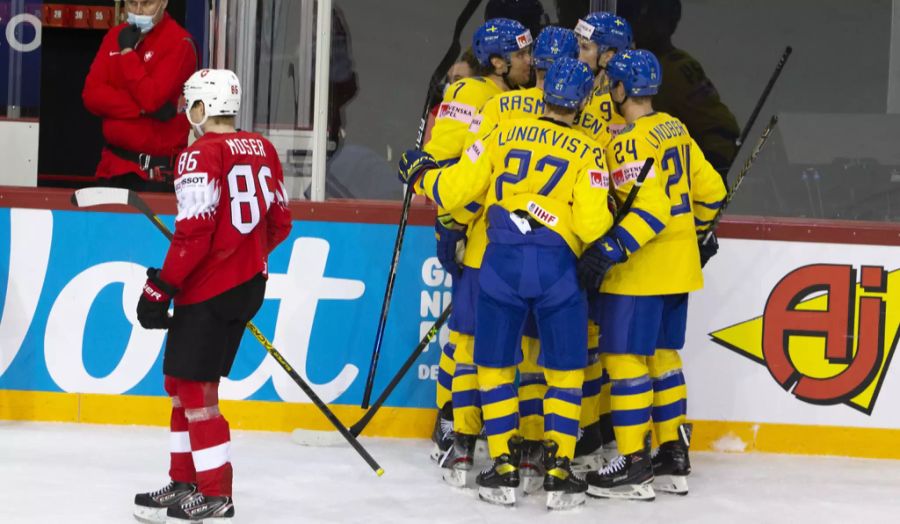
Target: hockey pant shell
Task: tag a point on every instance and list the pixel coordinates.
(631, 399)
(209, 436)
(522, 275)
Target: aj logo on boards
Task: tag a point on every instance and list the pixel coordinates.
(826, 335)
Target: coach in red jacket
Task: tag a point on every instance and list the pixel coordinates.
(134, 85)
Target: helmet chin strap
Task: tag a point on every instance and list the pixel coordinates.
(198, 126)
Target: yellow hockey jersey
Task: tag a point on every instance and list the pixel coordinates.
(599, 119)
(522, 103)
(690, 96)
(552, 172)
(660, 231)
(462, 102)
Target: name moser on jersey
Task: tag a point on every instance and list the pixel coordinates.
(232, 212)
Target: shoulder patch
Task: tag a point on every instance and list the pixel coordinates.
(626, 129)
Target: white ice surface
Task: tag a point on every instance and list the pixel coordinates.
(73, 473)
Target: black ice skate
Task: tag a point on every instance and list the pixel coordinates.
(564, 489)
(151, 507)
(626, 477)
(589, 449)
(528, 455)
(442, 436)
(671, 463)
(497, 484)
(458, 460)
(200, 508)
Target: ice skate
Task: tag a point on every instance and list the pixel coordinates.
(151, 507)
(457, 460)
(565, 490)
(626, 477)
(200, 508)
(672, 465)
(528, 456)
(497, 484)
(442, 436)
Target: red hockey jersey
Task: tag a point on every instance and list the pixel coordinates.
(232, 212)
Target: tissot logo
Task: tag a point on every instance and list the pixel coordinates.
(824, 336)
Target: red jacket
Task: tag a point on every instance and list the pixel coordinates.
(122, 89)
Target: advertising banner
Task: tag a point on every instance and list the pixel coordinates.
(71, 280)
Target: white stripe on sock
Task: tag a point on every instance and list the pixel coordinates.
(179, 442)
(212, 458)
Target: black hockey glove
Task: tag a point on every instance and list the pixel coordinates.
(597, 259)
(129, 36)
(708, 250)
(153, 306)
(165, 113)
(449, 234)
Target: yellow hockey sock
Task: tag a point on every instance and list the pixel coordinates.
(562, 409)
(631, 398)
(669, 394)
(466, 394)
(532, 387)
(501, 407)
(446, 370)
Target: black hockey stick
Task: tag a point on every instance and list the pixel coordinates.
(737, 183)
(763, 97)
(322, 438)
(106, 195)
(632, 194)
(358, 428)
(430, 99)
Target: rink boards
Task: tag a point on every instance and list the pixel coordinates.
(789, 346)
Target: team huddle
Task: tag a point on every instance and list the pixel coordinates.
(570, 294)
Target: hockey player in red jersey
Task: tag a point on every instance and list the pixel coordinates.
(232, 212)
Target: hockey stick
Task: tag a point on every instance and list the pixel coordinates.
(632, 194)
(737, 183)
(430, 98)
(91, 197)
(763, 97)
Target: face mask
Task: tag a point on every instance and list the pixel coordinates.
(143, 22)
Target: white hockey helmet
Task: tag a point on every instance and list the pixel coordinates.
(218, 89)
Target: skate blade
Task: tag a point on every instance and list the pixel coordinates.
(150, 515)
(455, 477)
(502, 496)
(531, 484)
(560, 500)
(216, 520)
(674, 484)
(626, 492)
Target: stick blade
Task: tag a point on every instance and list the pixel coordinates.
(99, 196)
(317, 439)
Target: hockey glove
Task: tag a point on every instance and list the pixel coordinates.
(129, 37)
(153, 306)
(597, 259)
(165, 113)
(708, 250)
(413, 165)
(451, 239)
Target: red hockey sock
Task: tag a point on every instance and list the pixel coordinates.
(181, 465)
(209, 436)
